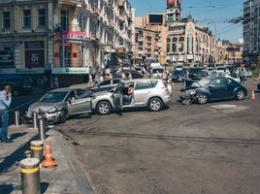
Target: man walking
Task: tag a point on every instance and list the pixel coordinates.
(5, 102)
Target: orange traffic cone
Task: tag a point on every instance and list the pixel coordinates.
(253, 95)
(49, 162)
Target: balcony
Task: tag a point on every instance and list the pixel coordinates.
(70, 2)
(94, 11)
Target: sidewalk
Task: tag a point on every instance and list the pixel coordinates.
(66, 177)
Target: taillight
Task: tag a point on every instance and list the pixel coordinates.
(165, 89)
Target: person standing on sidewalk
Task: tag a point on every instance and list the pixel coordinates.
(5, 102)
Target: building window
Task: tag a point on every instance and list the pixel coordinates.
(41, 17)
(64, 19)
(26, 18)
(174, 40)
(6, 20)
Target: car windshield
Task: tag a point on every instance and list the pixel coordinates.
(160, 70)
(53, 97)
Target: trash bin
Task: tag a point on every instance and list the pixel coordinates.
(30, 176)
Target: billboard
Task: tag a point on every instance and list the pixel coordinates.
(156, 18)
(34, 54)
(6, 59)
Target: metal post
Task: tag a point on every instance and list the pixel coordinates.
(35, 124)
(37, 149)
(30, 176)
(41, 130)
(17, 118)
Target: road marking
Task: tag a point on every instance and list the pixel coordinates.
(229, 108)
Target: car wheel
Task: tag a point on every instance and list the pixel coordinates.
(240, 95)
(155, 104)
(63, 116)
(202, 98)
(103, 108)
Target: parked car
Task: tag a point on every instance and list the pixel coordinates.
(18, 87)
(258, 86)
(106, 84)
(155, 71)
(150, 93)
(215, 87)
(178, 75)
(198, 73)
(58, 105)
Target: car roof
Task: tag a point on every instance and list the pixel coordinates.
(67, 89)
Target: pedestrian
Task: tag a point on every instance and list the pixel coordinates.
(5, 102)
(101, 78)
(90, 80)
(96, 79)
(56, 82)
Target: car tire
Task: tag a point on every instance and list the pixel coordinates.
(202, 98)
(103, 108)
(240, 95)
(155, 104)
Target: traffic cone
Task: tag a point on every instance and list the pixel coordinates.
(253, 95)
(49, 162)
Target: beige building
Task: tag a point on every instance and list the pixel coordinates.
(63, 37)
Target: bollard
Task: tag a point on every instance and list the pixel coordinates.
(41, 130)
(37, 149)
(35, 124)
(30, 176)
(17, 118)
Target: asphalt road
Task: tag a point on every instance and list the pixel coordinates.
(197, 149)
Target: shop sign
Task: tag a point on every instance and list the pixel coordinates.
(29, 71)
(6, 59)
(76, 35)
(34, 54)
(75, 70)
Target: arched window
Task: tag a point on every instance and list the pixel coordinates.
(174, 39)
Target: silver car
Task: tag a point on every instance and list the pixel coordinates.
(57, 105)
(150, 93)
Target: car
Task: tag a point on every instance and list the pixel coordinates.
(18, 87)
(153, 65)
(178, 75)
(106, 84)
(57, 105)
(178, 67)
(156, 72)
(258, 86)
(150, 93)
(209, 70)
(134, 74)
(215, 87)
(222, 70)
(198, 73)
(140, 70)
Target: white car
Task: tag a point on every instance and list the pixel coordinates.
(150, 93)
(157, 72)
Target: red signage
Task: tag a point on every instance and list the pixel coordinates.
(170, 2)
(34, 54)
(75, 35)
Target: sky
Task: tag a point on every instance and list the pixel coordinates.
(214, 14)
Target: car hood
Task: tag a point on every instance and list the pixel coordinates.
(102, 93)
(43, 106)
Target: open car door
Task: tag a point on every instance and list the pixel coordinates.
(118, 97)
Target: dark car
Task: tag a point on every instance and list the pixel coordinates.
(106, 85)
(18, 87)
(198, 73)
(214, 87)
(135, 74)
(258, 86)
(178, 75)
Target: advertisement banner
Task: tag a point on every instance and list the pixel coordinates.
(6, 59)
(34, 54)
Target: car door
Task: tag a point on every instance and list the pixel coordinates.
(218, 88)
(78, 103)
(142, 92)
(117, 97)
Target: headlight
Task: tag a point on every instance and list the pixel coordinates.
(54, 109)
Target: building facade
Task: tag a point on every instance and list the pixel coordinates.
(63, 37)
(251, 31)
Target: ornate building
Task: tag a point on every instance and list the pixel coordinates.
(187, 41)
(63, 37)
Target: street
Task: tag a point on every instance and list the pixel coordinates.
(210, 148)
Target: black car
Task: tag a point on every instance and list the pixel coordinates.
(215, 87)
(258, 86)
(106, 85)
(18, 87)
(198, 73)
(178, 75)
